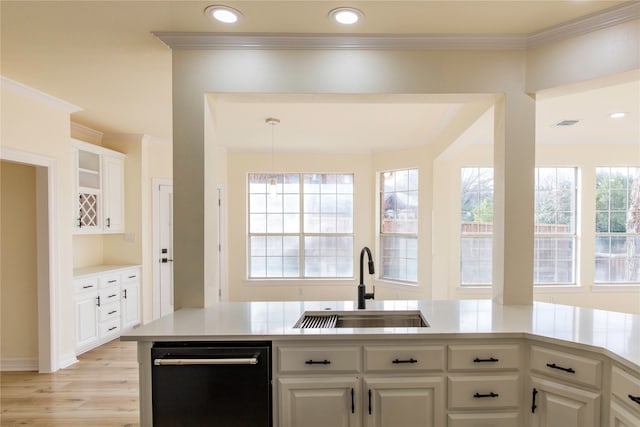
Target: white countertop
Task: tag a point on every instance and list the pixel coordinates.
(99, 269)
(614, 334)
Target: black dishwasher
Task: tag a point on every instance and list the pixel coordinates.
(211, 384)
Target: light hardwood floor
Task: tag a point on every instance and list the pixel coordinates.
(101, 390)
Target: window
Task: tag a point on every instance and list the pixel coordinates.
(617, 241)
(555, 226)
(303, 229)
(476, 226)
(399, 225)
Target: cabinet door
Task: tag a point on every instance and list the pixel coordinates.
(113, 194)
(130, 305)
(561, 405)
(86, 321)
(319, 402)
(404, 402)
(620, 417)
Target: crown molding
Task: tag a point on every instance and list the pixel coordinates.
(296, 41)
(17, 87)
(85, 133)
(608, 18)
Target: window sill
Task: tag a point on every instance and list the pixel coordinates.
(297, 282)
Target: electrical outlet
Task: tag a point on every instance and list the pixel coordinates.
(129, 237)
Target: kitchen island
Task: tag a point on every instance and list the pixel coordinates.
(508, 365)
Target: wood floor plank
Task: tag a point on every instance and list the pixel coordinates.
(101, 390)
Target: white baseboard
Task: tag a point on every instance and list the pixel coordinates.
(67, 360)
(19, 364)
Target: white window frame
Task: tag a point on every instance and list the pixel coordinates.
(301, 234)
(573, 235)
(605, 284)
(381, 274)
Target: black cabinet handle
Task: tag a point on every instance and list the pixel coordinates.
(125, 293)
(132, 277)
(491, 360)
(108, 222)
(369, 401)
(353, 402)
(411, 360)
(98, 300)
(533, 401)
(635, 399)
(112, 281)
(87, 286)
(113, 327)
(318, 362)
(554, 366)
(480, 396)
(80, 221)
(113, 311)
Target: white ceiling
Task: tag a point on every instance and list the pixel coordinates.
(101, 56)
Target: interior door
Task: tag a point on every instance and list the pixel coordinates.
(165, 219)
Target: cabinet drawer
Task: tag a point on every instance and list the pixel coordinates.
(86, 285)
(319, 359)
(109, 327)
(626, 388)
(484, 357)
(109, 280)
(508, 419)
(130, 276)
(569, 367)
(109, 311)
(483, 392)
(109, 295)
(403, 358)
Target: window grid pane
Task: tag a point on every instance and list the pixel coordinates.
(399, 225)
(617, 248)
(555, 226)
(277, 217)
(476, 226)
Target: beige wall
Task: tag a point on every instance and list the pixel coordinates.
(18, 279)
(35, 126)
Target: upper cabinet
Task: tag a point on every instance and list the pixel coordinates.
(98, 189)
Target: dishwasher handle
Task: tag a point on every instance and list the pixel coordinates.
(227, 361)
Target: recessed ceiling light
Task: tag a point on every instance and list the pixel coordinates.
(617, 115)
(225, 14)
(346, 15)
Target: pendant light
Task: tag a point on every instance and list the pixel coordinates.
(272, 181)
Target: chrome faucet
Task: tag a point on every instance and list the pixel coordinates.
(362, 290)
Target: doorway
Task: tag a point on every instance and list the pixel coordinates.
(45, 255)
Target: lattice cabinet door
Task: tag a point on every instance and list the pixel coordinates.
(88, 205)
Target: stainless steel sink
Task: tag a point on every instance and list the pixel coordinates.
(358, 319)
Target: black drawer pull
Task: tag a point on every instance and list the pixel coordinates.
(113, 327)
(491, 359)
(554, 366)
(353, 402)
(112, 295)
(369, 401)
(480, 396)
(113, 311)
(87, 286)
(112, 281)
(317, 362)
(635, 398)
(132, 277)
(411, 360)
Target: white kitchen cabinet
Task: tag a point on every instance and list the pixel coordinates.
(404, 401)
(102, 310)
(621, 417)
(319, 401)
(130, 282)
(86, 319)
(563, 405)
(98, 189)
(113, 206)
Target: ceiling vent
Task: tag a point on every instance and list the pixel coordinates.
(567, 123)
